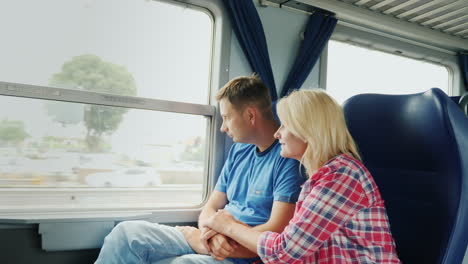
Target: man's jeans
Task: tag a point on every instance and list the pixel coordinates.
(143, 242)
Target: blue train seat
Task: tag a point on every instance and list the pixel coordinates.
(416, 147)
(463, 102)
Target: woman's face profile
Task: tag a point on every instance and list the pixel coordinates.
(291, 146)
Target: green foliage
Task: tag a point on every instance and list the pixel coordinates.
(90, 73)
(12, 132)
(65, 113)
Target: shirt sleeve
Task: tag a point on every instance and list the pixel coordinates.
(329, 204)
(287, 184)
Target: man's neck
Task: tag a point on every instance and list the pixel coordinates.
(265, 135)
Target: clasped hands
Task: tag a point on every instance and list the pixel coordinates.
(209, 238)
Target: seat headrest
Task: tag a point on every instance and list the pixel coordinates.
(408, 130)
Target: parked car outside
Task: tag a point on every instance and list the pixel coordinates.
(125, 177)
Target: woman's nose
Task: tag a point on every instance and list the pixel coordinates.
(277, 135)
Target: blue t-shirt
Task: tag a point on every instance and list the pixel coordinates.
(252, 181)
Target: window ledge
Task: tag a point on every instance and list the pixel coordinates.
(86, 230)
(163, 215)
(37, 218)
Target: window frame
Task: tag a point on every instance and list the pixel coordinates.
(218, 75)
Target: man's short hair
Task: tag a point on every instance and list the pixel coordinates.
(247, 91)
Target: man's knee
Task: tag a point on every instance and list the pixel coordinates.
(127, 229)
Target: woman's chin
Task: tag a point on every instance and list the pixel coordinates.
(284, 154)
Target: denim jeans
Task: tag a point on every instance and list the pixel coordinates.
(144, 242)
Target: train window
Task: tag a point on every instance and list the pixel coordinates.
(131, 128)
(156, 49)
(354, 70)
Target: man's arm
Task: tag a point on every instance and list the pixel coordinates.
(193, 235)
(217, 201)
(281, 213)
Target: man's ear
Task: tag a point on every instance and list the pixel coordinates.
(252, 114)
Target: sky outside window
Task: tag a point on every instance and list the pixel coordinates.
(354, 70)
(165, 47)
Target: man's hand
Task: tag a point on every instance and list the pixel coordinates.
(221, 246)
(193, 237)
(219, 222)
(205, 236)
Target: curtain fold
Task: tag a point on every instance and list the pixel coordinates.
(249, 31)
(464, 68)
(319, 28)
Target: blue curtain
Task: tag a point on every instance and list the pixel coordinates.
(319, 29)
(249, 31)
(464, 68)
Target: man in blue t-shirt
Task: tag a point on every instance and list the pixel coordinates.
(257, 186)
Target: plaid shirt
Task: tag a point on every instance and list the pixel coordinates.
(340, 218)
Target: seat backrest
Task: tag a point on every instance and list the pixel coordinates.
(416, 147)
(463, 102)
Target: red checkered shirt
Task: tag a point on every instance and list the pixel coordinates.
(340, 218)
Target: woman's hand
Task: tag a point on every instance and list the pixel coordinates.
(222, 222)
(221, 247)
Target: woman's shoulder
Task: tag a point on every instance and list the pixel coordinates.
(346, 168)
(343, 165)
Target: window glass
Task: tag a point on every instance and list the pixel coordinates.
(49, 144)
(156, 50)
(354, 70)
(56, 155)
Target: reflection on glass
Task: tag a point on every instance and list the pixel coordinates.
(58, 144)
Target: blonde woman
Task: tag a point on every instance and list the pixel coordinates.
(340, 216)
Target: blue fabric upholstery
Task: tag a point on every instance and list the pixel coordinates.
(456, 99)
(416, 147)
(275, 111)
(463, 103)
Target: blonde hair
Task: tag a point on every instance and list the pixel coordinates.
(247, 90)
(316, 118)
